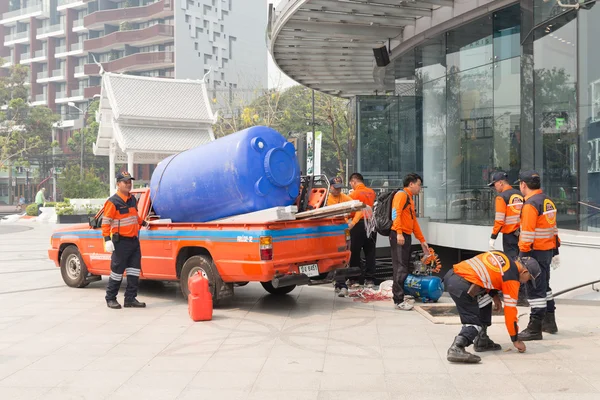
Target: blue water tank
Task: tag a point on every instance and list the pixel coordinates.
(246, 171)
(427, 288)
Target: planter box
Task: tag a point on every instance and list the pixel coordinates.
(73, 219)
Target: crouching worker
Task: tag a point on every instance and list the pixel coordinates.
(469, 283)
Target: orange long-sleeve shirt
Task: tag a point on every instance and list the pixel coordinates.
(538, 223)
(494, 270)
(340, 198)
(366, 196)
(404, 218)
(121, 215)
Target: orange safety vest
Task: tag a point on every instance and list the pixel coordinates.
(366, 196)
(121, 215)
(493, 270)
(508, 212)
(538, 223)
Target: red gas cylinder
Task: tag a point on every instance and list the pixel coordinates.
(200, 305)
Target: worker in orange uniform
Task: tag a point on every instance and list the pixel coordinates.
(359, 240)
(404, 224)
(469, 280)
(120, 228)
(509, 202)
(336, 197)
(538, 239)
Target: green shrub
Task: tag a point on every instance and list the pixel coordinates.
(64, 208)
(32, 210)
(50, 204)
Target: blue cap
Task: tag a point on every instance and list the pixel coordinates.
(498, 176)
(529, 177)
(336, 182)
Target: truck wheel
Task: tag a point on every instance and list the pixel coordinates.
(72, 268)
(207, 268)
(280, 291)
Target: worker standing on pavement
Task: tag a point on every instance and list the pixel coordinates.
(538, 239)
(336, 197)
(509, 202)
(40, 199)
(120, 229)
(358, 233)
(404, 224)
(468, 281)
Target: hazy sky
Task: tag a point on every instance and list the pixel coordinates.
(276, 77)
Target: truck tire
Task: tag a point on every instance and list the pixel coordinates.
(280, 291)
(72, 268)
(207, 268)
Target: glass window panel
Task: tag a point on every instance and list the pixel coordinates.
(589, 119)
(555, 116)
(470, 147)
(434, 148)
(507, 118)
(430, 59)
(469, 46)
(507, 33)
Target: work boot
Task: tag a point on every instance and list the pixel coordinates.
(134, 303)
(533, 331)
(114, 304)
(458, 354)
(549, 323)
(483, 342)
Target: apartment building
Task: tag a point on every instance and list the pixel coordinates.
(60, 40)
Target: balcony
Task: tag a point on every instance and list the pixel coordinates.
(56, 75)
(135, 62)
(140, 37)
(79, 71)
(39, 100)
(22, 13)
(160, 9)
(60, 49)
(64, 4)
(61, 94)
(78, 25)
(19, 37)
(76, 46)
(91, 91)
(52, 30)
(77, 93)
(40, 53)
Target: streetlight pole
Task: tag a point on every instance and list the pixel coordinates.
(81, 138)
(313, 132)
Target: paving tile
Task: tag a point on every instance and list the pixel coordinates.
(351, 395)
(470, 384)
(118, 363)
(352, 364)
(201, 394)
(175, 363)
(557, 383)
(21, 393)
(61, 363)
(307, 394)
(238, 381)
(35, 378)
(287, 381)
(357, 381)
(233, 364)
(422, 383)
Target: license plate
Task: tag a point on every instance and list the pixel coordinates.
(310, 270)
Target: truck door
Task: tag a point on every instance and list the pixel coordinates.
(96, 259)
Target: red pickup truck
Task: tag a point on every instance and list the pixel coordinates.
(279, 254)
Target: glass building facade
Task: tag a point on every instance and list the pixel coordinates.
(516, 89)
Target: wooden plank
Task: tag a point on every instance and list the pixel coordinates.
(269, 215)
(332, 211)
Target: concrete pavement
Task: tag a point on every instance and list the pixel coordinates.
(62, 343)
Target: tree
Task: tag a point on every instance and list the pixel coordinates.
(289, 111)
(72, 187)
(25, 131)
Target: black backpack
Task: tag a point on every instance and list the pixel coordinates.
(382, 210)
